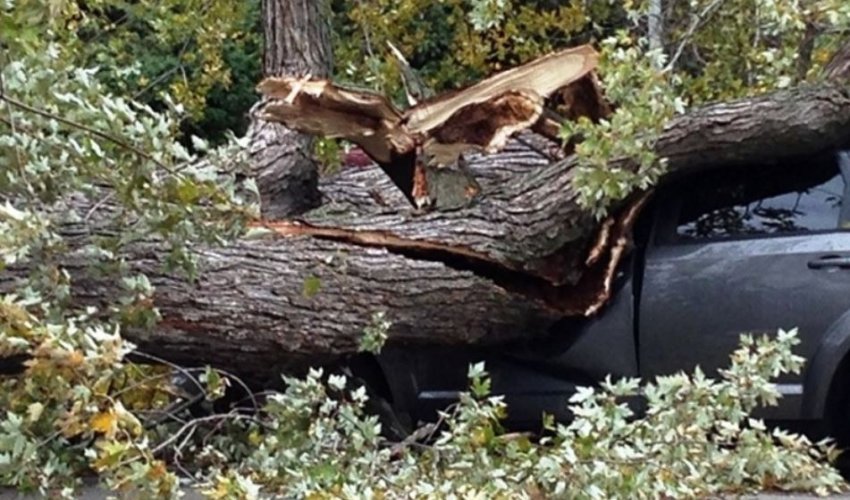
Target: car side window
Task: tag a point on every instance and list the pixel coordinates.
(771, 200)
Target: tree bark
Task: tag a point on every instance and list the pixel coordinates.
(297, 43)
(260, 308)
(504, 269)
(527, 219)
(838, 67)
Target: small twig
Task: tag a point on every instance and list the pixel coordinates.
(696, 22)
(97, 133)
(367, 38)
(194, 423)
(167, 73)
(115, 25)
(186, 372)
(97, 205)
(11, 121)
(175, 366)
(178, 450)
(156, 81)
(419, 434)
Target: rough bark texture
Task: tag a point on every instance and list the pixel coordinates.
(297, 43)
(765, 129)
(527, 218)
(266, 306)
(503, 269)
(838, 67)
(297, 38)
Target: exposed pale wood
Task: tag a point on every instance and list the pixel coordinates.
(432, 134)
(415, 87)
(542, 76)
(321, 108)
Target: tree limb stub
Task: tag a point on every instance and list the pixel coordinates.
(296, 41)
(434, 133)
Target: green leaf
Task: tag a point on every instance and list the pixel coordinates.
(312, 285)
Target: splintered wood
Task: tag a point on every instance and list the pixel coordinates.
(421, 149)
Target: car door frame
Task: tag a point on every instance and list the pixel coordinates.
(834, 346)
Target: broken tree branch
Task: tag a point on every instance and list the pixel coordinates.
(433, 134)
(504, 268)
(527, 218)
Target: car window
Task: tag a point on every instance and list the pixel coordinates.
(795, 198)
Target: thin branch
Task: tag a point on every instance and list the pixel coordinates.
(367, 39)
(192, 424)
(97, 205)
(97, 133)
(696, 22)
(118, 23)
(167, 73)
(187, 373)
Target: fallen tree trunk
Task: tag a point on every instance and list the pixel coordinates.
(511, 260)
(505, 268)
(527, 219)
(270, 306)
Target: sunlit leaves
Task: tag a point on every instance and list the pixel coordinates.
(645, 98)
(376, 333)
(695, 440)
(73, 154)
(451, 43)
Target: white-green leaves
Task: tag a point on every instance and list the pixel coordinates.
(645, 99)
(376, 333)
(695, 439)
(73, 155)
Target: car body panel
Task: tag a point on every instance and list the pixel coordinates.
(699, 299)
(824, 364)
(534, 376)
(676, 305)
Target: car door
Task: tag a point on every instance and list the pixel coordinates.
(745, 250)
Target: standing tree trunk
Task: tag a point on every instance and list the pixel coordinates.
(297, 38)
(655, 25)
(297, 43)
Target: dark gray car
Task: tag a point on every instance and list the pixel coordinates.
(717, 254)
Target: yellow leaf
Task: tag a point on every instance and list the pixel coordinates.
(104, 422)
(157, 470)
(73, 359)
(127, 420)
(255, 438)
